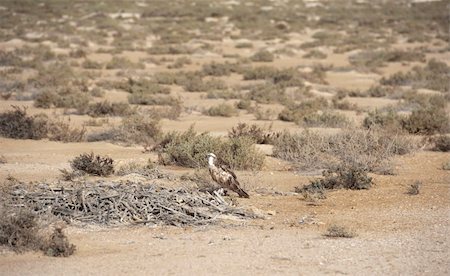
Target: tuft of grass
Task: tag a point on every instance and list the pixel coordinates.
(59, 130)
(337, 231)
(93, 164)
(414, 189)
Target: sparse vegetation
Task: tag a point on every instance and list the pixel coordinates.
(414, 189)
(93, 164)
(262, 56)
(441, 143)
(337, 231)
(223, 110)
(18, 125)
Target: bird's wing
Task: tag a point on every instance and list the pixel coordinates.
(228, 170)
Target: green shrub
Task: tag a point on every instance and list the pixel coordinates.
(189, 149)
(93, 164)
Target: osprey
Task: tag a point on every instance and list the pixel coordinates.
(224, 176)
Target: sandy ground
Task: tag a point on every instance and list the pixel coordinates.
(396, 233)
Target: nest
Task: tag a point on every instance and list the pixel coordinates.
(125, 203)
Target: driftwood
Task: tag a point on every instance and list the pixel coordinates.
(125, 203)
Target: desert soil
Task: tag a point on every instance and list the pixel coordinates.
(396, 233)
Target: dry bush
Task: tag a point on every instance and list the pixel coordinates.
(91, 64)
(427, 120)
(123, 63)
(315, 54)
(190, 149)
(313, 191)
(19, 230)
(259, 73)
(58, 245)
(179, 63)
(441, 143)
(267, 93)
(187, 149)
(369, 150)
(262, 56)
(324, 119)
(169, 49)
(244, 104)
(63, 97)
(169, 78)
(139, 129)
(142, 85)
(18, 125)
(388, 120)
(137, 168)
(223, 110)
(258, 134)
(59, 130)
(218, 69)
(105, 108)
(345, 176)
(433, 76)
(414, 189)
(337, 231)
(223, 94)
(265, 114)
(93, 164)
(171, 112)
(373, 59)
(379, 91)
(152, 99)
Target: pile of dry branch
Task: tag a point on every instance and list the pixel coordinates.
(124, 203)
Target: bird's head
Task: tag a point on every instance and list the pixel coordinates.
(211, 155)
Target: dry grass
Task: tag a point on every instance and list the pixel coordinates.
(18, 125)
(93, 164)
(337, 231)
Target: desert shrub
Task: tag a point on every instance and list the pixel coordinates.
(373, 59)
(194, 84)
(262, 56)
(168, 78)
(258, 134)
(265, 114)
(58, 244)
(312, 191)
(244, 104)
(241, 45)
(217, 69)
(139, 129)
(151, 99)
(368, 150)
(180, 62)
(240, 153)
(223, 110)
(142, 85)
(171, 112)
(105, 108)
(93, 164)
(427, 120)
(344, 105)
(315, 54)
(169, 49)
(297, 112)
(123, 63)
(77, 53)
(324, 119)
(223, 94)
(19, 230)
(90, 64)
(388, 120)
(433, 76)
(337, 231)
(346, 176)
(63, 97)
(189, 149)
(259, 73)
(414, 189)
(441, 143)
(145, 169)
(18, 125)
(59, 130)
(267, 93)
(379, 91)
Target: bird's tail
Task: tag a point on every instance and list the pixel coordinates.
(242, 193)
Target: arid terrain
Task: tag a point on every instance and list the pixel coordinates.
(334, 116)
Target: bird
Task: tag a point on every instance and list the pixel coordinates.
(224, 176)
